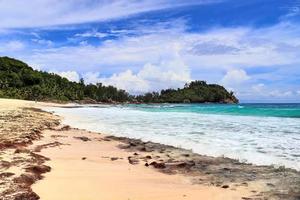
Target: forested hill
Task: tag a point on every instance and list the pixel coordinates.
(194, 92)
(18, 80)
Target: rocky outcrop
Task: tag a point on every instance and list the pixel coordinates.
(278, 183)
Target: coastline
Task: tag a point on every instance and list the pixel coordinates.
(92, 165)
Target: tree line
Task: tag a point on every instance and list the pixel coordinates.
(18, 80)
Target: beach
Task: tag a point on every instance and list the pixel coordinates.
(43, 158)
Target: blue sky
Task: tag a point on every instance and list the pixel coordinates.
(250, 47)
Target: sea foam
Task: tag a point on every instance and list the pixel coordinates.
(254, 139)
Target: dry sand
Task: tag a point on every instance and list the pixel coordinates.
(83, 170)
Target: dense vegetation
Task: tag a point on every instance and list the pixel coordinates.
(194, 92)
(18, 80)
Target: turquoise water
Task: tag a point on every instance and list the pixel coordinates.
(263, 110)
(263, 134)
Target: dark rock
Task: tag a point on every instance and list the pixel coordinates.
(146, 164)
(185, 164)
(244, 184)
(124, 146)
(148, 157)
(83, 138)
(26, 196)
(270, 185)
(225, 186)
(38, 169)
(83, 158)
(132, 144)
(114, 158)
(132, 161)
(162, 151)
(186, 155)
(158, 165)
(141, 148)
(65, 128)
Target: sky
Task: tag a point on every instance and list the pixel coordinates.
(250, 47)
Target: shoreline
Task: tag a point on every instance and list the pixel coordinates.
(95, 166)
(178, 167)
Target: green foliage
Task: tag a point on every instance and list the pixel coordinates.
(194, 92)
(18, 80)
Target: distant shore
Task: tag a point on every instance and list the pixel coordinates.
(81, 164)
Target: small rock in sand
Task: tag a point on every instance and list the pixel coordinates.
(65, 128)
(133, 161)
(225, 186)
(83, 138)
(158, 165)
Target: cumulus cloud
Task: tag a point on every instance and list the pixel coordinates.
(91, 77)
(235, 76)
(143, 61)
(171, 73)
(70, 75)
(128, 81)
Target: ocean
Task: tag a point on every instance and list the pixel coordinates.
(262, 134)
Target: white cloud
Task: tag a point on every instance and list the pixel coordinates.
(219, 49)
(298, 92)
(170, 73)
(43, 42)
(293, 10)
(234, 77)
(91, 77)
(145, 57)
(91, 34)
(70, 75)
(16, 13)
(128, 81)
(12, 46)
